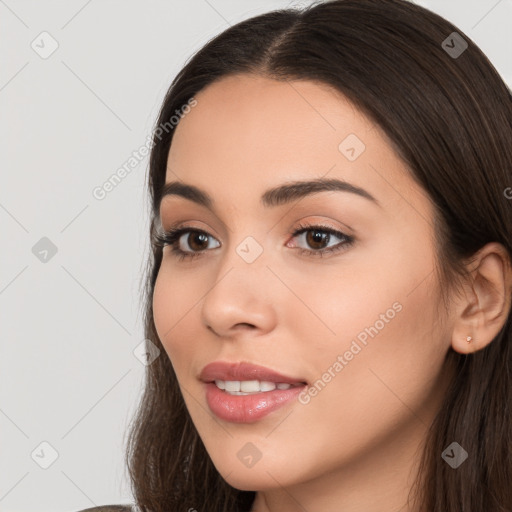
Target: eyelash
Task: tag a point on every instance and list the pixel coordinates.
(172, 236)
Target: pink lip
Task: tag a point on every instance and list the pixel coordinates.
(220, 370)
(246, 408)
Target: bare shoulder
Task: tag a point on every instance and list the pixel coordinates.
(109, 508)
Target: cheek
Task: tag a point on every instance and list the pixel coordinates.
(382, 321)
(384, 388)
(174, 298)
(393, 351)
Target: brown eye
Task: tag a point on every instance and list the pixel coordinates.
(197, 241)
(316, 238)
(179, 238)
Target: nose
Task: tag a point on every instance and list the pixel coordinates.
(241, 300)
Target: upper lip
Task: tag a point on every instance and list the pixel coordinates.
(220, 370)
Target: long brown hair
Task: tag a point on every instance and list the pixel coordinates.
(449, 117)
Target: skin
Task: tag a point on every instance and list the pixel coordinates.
(355, 445)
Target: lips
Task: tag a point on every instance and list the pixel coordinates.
(243, 371)
(241, 407)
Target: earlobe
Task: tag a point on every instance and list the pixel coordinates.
(485, 307)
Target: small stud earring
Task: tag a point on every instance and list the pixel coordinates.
(468, 339)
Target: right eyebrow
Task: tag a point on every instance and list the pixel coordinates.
(277, 196)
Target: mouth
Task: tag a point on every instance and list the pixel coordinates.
(249, 406)
(252, 387)
(245, 393)
(243, 377)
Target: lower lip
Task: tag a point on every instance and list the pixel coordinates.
(247, 408)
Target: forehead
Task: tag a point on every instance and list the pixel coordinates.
(248, 133)
(264, 116)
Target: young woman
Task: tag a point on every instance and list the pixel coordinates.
(330, 285)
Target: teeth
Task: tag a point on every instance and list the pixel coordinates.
(267, 386)
(247, 387)
(232, 385)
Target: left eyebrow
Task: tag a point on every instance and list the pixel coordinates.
(277, 196)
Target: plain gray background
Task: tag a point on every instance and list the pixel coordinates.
(71, 319)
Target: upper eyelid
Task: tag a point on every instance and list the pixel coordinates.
(294, 232)
(159, 223)
(345, 228)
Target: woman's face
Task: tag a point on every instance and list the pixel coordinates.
(356, 329)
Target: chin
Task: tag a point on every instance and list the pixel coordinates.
(261, 476)
(257, 481)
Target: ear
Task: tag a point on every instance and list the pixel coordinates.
(484, 307)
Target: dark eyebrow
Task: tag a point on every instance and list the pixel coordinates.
(276, 196)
